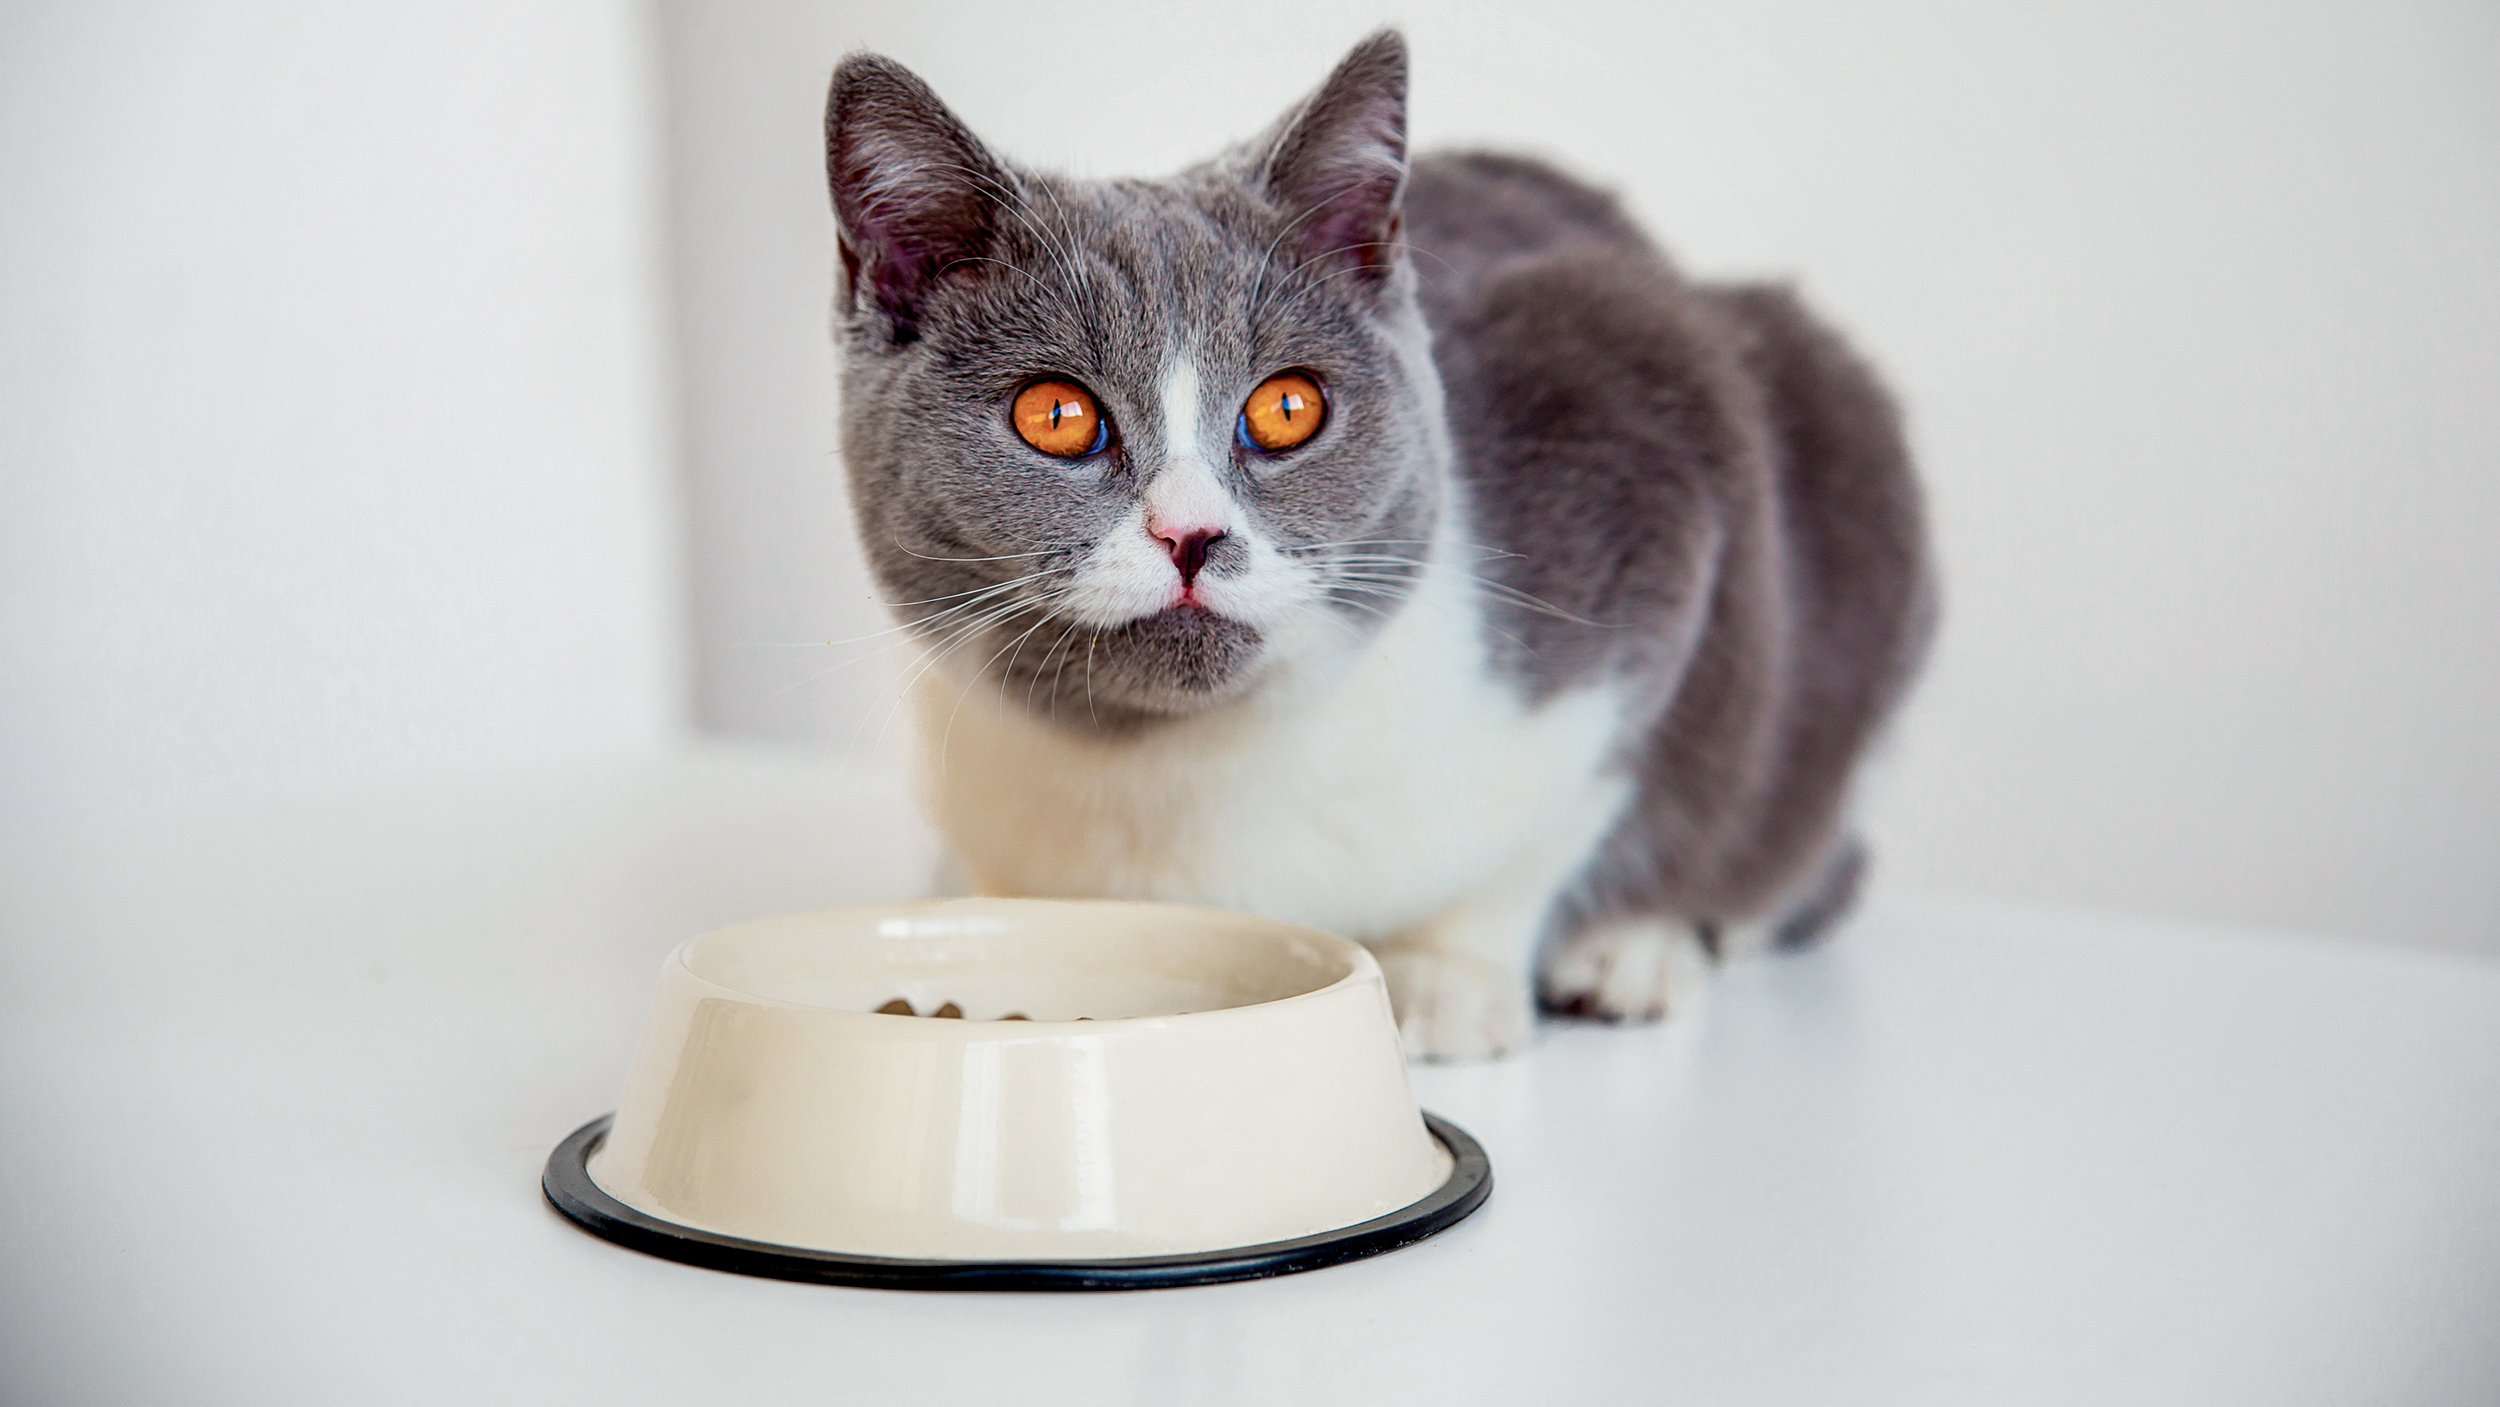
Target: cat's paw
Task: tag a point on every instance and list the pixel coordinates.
(1630, 970)
(1451, 1006)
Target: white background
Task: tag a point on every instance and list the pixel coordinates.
(335, 434)
(339, 439)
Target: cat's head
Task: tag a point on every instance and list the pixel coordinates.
(1132, 448)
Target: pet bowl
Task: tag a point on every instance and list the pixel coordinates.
(1086, 1095)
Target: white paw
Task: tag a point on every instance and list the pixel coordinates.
(1454, 1007)
(1634, 970)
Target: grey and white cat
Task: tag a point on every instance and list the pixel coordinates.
(1406, 550)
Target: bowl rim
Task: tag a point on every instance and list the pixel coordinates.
(1364, 967)
(569, 1188)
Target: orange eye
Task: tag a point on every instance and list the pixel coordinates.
(1059, 417)
(1285, 411)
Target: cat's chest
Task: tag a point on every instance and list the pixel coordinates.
(1361, 808)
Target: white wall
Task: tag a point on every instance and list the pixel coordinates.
(335, 422)
(2196, 308)
(335, 429)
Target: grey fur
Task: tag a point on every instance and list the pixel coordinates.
(1733, 504)
(1692, 488)
(1037, 273)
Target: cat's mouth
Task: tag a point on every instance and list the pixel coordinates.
(1195, 644)
(1180, 660)
(1189, 606)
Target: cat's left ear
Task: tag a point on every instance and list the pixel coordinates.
(914, 192)
(1337, 164)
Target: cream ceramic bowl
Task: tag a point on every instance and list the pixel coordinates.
(1234, 1082)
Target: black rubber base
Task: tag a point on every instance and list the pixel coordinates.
(569, 1188)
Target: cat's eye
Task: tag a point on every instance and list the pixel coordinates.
(1285, 411)
(1060, 417)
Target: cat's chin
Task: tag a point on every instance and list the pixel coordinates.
(1173, 664)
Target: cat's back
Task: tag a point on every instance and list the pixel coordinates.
(1600, 410)
(1694, 487)
(1471, 214)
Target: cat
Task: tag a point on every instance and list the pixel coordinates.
(1404, 550)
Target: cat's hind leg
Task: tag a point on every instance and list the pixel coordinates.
(1626, 969)
(1806, 915)
(1644, 969)
(1828, 899)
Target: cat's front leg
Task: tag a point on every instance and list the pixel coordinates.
(1459, 993)
(1461, 980)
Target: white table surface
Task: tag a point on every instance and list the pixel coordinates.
(275, 1089)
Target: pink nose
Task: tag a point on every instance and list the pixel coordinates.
(1189, 549)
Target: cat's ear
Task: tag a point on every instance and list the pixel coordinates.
(914, 192)
(1337, 164)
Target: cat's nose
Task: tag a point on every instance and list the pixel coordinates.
(1189, 549)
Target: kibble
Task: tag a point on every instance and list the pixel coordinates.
(949, 1012)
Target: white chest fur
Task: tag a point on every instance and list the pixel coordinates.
(1361, 792)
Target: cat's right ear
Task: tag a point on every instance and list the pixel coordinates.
(1337, 164)
(914, 192)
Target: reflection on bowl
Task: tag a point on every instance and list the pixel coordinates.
(1183, 1081)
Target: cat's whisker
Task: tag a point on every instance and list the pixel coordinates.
(1007, 610)
(1391, 244)
(1261, 308)
(994, 586)
(994, 557)
(1001, 594)
(803, 644)
(833, 669)
(1008, 672)
(1408, 599)
(939, 621)
(909, 675)
(1512, 594)
(947, 739)
(1483, 553)
(1062, 249)
(936, 655)
(1419, 249)
(819, 676)
(1370, 559)
(1056, 647)
(921, 625)
(1345, 599)
(979, 593)
(1019, 269)
(1068, 262)
(1527, 601)
(929, 658)
(956, 633)
(1266, 260)
(1014, 203)
(1267, 256)
(1359, 542)
(1090, 642)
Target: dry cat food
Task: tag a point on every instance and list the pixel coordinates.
(948, 1012)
